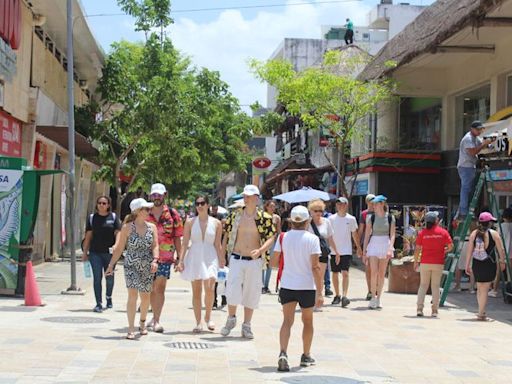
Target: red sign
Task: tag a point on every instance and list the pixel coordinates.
(40, 155)
(10, 135)
(10, 22)
(261, 162)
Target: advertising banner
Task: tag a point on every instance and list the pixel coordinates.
(11, 186)
(10, 136)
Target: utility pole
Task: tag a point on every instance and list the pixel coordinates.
(73, 289)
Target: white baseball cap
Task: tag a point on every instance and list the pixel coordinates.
(251, 190)
(140, 203)
(342, 200)
(158, 188)
(299, 214)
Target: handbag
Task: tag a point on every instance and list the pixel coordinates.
(324, 247)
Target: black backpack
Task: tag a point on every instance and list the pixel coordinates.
(390, 220)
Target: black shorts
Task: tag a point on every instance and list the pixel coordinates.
(305, 298)
(344, 264)
(323, 259)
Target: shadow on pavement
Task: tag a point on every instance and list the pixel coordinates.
(222, 338)
(273, 369)
(320, 379)
(108, 337)
(496, 309)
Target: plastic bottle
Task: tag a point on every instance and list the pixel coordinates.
(87, 269)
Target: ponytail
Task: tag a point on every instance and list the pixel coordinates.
(130, 218)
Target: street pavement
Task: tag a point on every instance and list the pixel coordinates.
(64, 341)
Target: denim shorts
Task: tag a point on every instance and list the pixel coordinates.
(163, 270)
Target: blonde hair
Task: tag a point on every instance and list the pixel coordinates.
(130, 218)
(316, 204)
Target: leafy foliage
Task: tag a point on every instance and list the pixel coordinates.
(329, 96)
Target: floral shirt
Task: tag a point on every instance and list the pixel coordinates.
(169, 227)
(263, 220)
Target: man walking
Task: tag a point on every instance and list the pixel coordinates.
(470, 145)
(349, 34)
(301, 283)
(249, 233)
(345, 230)
(360, 232)
(170, 230)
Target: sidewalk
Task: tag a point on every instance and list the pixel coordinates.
(66, 342)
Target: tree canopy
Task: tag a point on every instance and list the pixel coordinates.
(329, 96)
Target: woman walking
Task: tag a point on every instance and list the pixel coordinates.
(270, 208)
(140, 239)
(432, 244)
(100, 235)
(322, 228)
(201, 263)
(481, 259)
(379, 240)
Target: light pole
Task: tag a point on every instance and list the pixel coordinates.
(73, 288)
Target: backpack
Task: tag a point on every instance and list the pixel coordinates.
(479, 251)
(92, 215)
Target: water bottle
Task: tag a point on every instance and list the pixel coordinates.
(87, 269)
(221, 276)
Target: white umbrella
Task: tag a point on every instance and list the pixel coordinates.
(237, 204)
(303, 195)
(222, 210)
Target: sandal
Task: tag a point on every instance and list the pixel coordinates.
(198, 328)
(482, 317)
(130, 336)
(142, 328)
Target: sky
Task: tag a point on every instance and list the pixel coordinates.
(224, 40)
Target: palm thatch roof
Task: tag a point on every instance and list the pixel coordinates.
(434, 25)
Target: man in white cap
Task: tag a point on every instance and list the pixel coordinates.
(301, 283)
(248, 235)
(170, 230)
(345, 230)
(362, 227)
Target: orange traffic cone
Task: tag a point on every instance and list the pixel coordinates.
(32, 296)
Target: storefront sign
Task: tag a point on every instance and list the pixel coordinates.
(40, 155)
(10, 22)
(501, 175)
(10, 136)
(361, 188)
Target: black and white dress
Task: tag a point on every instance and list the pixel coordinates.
(137, 262)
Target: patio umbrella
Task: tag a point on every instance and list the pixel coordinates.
(237, 204)
(303, 195)
(222, 210)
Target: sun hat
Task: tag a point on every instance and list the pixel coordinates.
(251, 190)
(140, 203)
(485, 217)
(299, 214)
(431, 217)
(477, 124)
(379, 199)
(158, 188)
(369, 197)
(342, 200)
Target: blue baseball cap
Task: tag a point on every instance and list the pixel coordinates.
(379, 199)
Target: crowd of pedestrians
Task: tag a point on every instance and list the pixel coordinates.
(305, 244)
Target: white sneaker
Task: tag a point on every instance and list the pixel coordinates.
(378, 302)
(373, 303)
(246, 331)
(230, 324)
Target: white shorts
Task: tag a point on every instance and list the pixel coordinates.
(243, 286)
(378, 247)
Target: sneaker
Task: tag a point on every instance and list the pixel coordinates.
(472, 291)
(492, 294)
(224, 302)
(246, 331)
(373, 303)
(214, 305)
(434, 313)
(328, 292)
(282, 363)
(419, 313)
(378, 302)
(336, 301)
(157, 327)
(98, 308)
(230, 324)
(306, 361)
(344, 301)
(109, 303)
(264, 291)
(368, 296)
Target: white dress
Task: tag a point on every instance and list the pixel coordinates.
(201, 262)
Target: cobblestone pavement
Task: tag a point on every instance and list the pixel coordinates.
(65, 341)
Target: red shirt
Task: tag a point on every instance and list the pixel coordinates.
(169, 227)
(433, 242)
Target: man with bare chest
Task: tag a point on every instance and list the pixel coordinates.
(249, 233)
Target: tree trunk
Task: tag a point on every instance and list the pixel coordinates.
(342, 170)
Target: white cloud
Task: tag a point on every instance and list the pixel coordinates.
(228, 42)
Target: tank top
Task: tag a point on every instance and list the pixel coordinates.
(480, 252)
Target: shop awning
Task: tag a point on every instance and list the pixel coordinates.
(83, 147)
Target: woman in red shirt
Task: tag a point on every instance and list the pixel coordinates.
(432, 244)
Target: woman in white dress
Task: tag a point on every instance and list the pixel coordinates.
(201, 262)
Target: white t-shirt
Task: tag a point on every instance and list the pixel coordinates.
(298, 247)
(325, 229)
(343, 228)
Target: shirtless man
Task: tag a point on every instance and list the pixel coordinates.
(249, 233)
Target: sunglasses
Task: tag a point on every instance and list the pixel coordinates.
(146, 209)
(201, 203)
(156, 196)
(102, 203)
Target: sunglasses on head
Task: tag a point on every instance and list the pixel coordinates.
(102, 203)
(200, 203)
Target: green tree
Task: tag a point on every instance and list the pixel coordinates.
(329, 96)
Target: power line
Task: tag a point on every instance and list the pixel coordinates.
(239, 7)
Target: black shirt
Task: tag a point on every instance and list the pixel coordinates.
(103, 228)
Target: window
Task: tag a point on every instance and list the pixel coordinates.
(472, 105)
(420, 123)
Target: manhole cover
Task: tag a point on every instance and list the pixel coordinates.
(190, 345)
(75, 319)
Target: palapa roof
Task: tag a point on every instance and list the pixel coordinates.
(434, 25)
